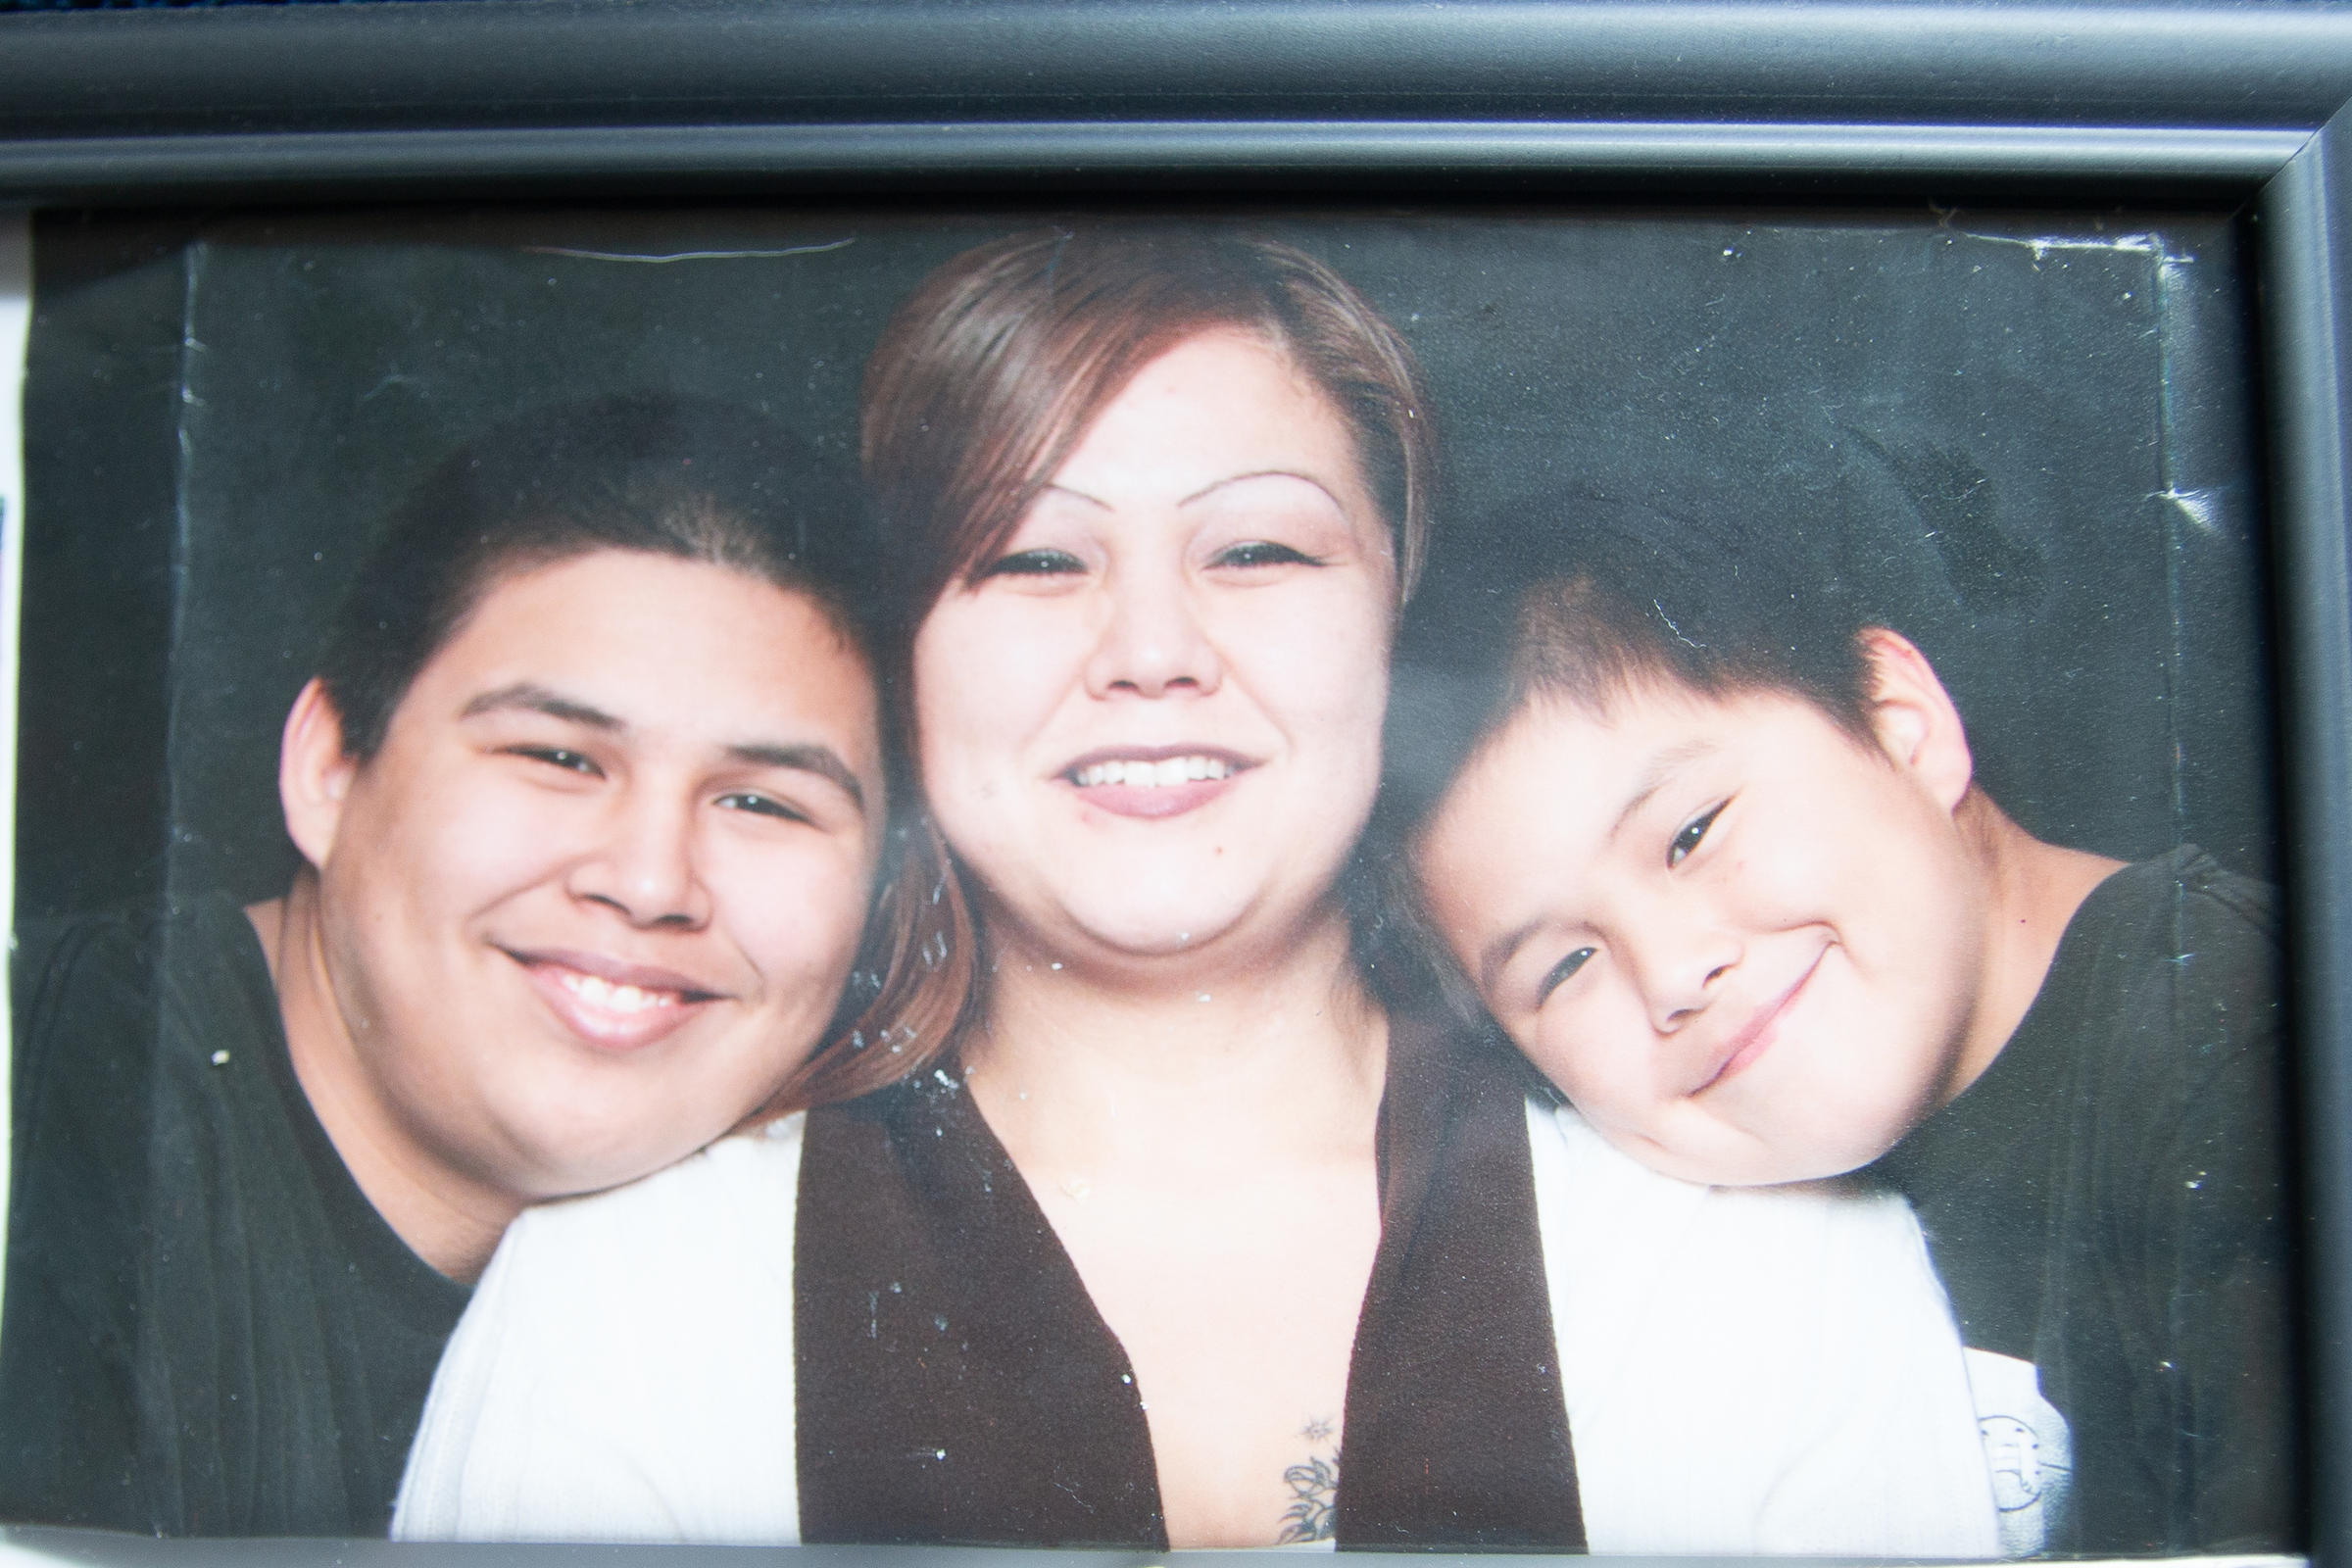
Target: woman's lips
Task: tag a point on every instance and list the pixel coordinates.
(1759, 1033)
(610, 1003)
(1153, 781)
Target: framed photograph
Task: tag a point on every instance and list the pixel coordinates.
(1562, 778)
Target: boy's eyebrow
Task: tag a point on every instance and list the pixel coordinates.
(806, 757)
(1662, 767)
(534, 698)
(822, 760)
(1497, 954)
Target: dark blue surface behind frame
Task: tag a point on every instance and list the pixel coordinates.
(2215, 104)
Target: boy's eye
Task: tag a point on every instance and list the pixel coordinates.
(1560, 973)
(1693, 831)
(1031, 564)
(1262, 553)
(761, 806)
(571, 761)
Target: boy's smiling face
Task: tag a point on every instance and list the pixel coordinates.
(1746, 944)
(596, 895)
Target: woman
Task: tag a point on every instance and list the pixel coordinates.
(1189, 1205)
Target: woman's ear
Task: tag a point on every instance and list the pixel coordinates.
(1913, 716)
(314, 772)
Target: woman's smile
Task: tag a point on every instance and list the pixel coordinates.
(1153, 781)
(1195, 609)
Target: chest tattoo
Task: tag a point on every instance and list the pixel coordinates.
(1314, 1485)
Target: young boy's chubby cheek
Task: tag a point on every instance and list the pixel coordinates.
(1745, 943)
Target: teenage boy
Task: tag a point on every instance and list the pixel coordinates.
(1707, 842)
(589, 792)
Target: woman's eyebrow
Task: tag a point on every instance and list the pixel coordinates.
(1211, 489)
(1059, 489)
(822, 760)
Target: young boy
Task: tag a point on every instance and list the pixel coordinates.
(1706, 840)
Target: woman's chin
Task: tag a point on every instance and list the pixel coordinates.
(1177, 936)
(1234, 936)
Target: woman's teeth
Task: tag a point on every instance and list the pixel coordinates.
(1154, 775)
(598, 992)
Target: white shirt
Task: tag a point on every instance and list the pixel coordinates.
(1746, 1371)
(1764, 1369)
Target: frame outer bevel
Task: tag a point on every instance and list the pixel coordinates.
(2306, 265)
(686, 62)
(575, 99)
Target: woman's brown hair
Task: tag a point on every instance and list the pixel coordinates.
(988, 377)
(913, 980)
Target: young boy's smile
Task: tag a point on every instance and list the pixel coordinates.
(1745, 942)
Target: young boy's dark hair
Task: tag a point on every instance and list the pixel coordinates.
(1579, 596)
(1701, 828)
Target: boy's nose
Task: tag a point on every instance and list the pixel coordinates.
(1681, 979)
(644, 868)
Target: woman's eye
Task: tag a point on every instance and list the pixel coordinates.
(571, 761)
(1031, 564)
(1693, 831)
(761, 806)
(1262, 553)
(1560, 973)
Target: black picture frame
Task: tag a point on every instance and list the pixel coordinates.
(2214, 105)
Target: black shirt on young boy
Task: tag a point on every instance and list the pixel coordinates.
(2109, 1204)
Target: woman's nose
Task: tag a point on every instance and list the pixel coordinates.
(644, 865)
(1153, 642)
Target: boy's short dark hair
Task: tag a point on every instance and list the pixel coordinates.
(1584, 598)
(692, 478)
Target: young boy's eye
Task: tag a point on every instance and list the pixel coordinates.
(1560, 973)
(1263, 553)
(1031, 564)
(1693, 831)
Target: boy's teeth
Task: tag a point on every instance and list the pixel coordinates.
(598, 991)
(1154, 775)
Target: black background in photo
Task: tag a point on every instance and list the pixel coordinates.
(2039, 432)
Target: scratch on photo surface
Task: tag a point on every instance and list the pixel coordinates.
(2200, 507)
(2043, 245)
(1669, 626)
(395, 378)
(688, 256)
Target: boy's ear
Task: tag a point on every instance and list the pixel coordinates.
(1913, 715)
(314, 772)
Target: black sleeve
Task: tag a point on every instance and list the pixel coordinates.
(80, 1082)
(2230, 1311)
(2218, 1291)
